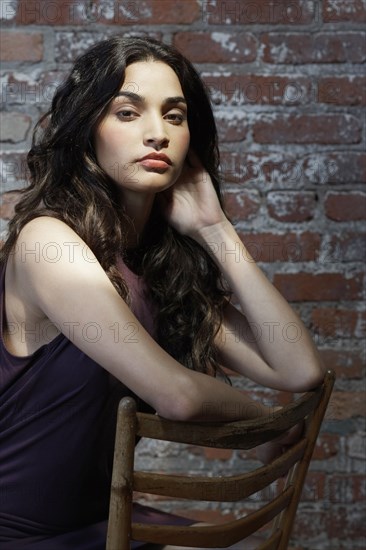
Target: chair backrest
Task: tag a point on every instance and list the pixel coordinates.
(280, 510)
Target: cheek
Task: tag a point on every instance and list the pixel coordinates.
(108, 142)
(183, 144)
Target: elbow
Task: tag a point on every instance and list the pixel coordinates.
(311, 378)
(183, 404)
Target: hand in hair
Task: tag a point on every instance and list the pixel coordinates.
(191, 204)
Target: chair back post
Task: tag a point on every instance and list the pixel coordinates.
(119, 525)
(301, 469)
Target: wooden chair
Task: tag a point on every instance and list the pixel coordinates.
(280, 510)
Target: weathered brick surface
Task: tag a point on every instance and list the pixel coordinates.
(342, 90)
(242, 205)
(345, 206)
(300, 48)
(291, 206)
(21, 46)
(282, 12)
(252, 89)
(351, 11)
(299, 287)
(321, 129)
(14, 126)
(285, 247)
(348, 364)
(339, 323)
(347, 247)
(287, 83)
(217, 47)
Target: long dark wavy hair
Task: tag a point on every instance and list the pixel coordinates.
(67, 183)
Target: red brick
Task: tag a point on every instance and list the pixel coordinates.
(287, 247)
(291, 206)
(74, 12)
(147, 12)
(234, 12)
(321, 129)
(347, 488)
(71, 44)
(347, 364)
(347, 523)
(298, 48)
(348, 206)
(8, 202)
(246, 89)
(342, 90)
(217, 47)
(327, 446)
(242, 205)
(21, 46)
(218, 454)
(309, 523)
(338, 323)
(350, 10)
(230, 128)
(297, 287)
(314, 486)
(347, 404)
(340, 167)
(43, 12)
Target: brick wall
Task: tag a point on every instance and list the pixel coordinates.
(288, 87)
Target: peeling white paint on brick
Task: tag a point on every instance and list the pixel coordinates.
(280, 52)
(319, 169)
(343, 6)
(224, 39)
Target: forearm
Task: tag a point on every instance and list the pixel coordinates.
(213, 400)
(281, 337)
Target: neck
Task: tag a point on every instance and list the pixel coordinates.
(137, 207)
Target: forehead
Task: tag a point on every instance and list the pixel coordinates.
(151, 76)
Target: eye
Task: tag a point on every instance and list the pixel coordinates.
(126, 114)
(175, 117)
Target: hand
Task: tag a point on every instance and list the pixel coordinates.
(273, 449)
(191, 204)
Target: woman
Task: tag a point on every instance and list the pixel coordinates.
(116, 279)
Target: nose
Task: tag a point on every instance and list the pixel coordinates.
(155, 134)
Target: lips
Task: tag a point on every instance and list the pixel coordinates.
(155, 161)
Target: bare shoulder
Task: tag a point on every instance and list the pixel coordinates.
(45, 228)
(47, 242)
(48, 256)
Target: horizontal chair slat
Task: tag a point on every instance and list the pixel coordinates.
(225, 488)
(215, 536)
(240, 434)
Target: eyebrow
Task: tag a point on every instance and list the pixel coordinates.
(140, 99)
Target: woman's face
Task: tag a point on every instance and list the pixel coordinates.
(143, 140)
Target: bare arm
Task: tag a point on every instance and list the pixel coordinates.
(74, 292)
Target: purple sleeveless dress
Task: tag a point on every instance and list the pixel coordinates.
(57, 422)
